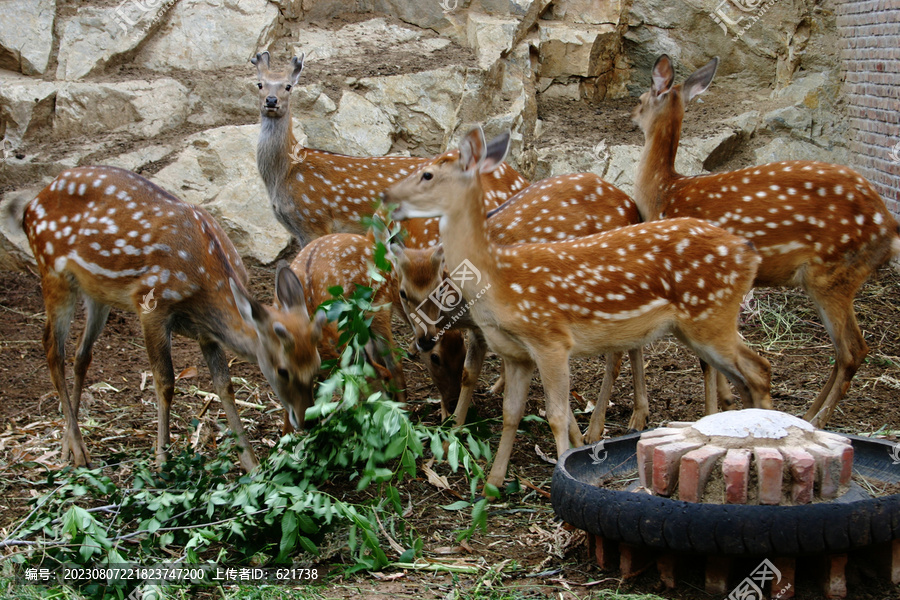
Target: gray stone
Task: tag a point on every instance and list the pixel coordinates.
(217, 169)
(26, 35)
(210, 35)
(143, 108)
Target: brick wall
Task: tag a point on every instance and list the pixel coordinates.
(870, 38)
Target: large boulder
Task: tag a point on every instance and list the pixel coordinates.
(143, 108)
(26, 109)
(217, 169)
(93, 37)
(210, 35)
(26, 35)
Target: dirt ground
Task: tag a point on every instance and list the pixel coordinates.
(548, 559)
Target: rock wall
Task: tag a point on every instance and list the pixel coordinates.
(165, 87)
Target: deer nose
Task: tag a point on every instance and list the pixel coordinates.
(271, 101)
(425, 343)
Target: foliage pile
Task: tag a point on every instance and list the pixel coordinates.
(197, 510)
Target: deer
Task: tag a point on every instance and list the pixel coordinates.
(820, 227)
(315, 192)
(343, 259)
(540, 304)
(114, 238)
(556, 208)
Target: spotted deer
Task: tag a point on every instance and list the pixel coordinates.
(557, 208)
(343, 259)
(817, 226)
(541, 304)
(315, 192)
(117, 240)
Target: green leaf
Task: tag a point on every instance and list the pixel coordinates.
(308, 545)
(491, 491)
(407, 556)
(394, 497)
(458, 505)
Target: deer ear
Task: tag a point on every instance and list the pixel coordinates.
(297, 64)
(699, 80)
(437, 258)
(289, 290)
(663, 75)
(261, 60)
(471, 149)
(495, 152)
(250, 310)
(318, 325)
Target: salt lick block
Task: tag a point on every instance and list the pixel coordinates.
(792, 459)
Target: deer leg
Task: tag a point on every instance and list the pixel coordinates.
(641, 411)
(59, 300)
(96, 315)
(611, 372)
(745, 369)
(517, 381)
(723, 391)
(221, 376)
(476, 349)
(554, 370)
(850, 349)
(710, 381)
(158, 340)
(497, 388)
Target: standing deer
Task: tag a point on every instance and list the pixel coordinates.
(557, 208)
(817, 226)
(314, 192)
(114, 238)
(541, 304)
(343, 259)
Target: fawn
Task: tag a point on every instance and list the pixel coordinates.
(541, 304)
(315, 192)
(113, 238)
(343, 259)
(557, 208)
(817, 226)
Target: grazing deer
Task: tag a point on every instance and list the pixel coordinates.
(557, 208)
(541, 304)
(817, 226)
(314, 192)
(343, 259)
(114, 239)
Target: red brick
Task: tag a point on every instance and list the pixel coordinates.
(666, 459)
(895, 562)
(666, 564)
(828, 470)
(736, 473)
(769, 474)
(606, 552)
(645, 457)
(632, 560)
(717, 571)
(694, 471)
(835, 584)
(845, 451)
(802, 466)
(785, 588)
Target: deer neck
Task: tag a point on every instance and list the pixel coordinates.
(464, 235)
(656, 168)
(273, 153)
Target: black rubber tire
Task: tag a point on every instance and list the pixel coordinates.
(733, 530)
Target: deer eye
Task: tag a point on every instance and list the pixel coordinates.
(259, 85)
(427, 175)
(288, 87)
(403, 294)
(282, 373)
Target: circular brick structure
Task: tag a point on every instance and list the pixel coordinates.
(751, 456)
